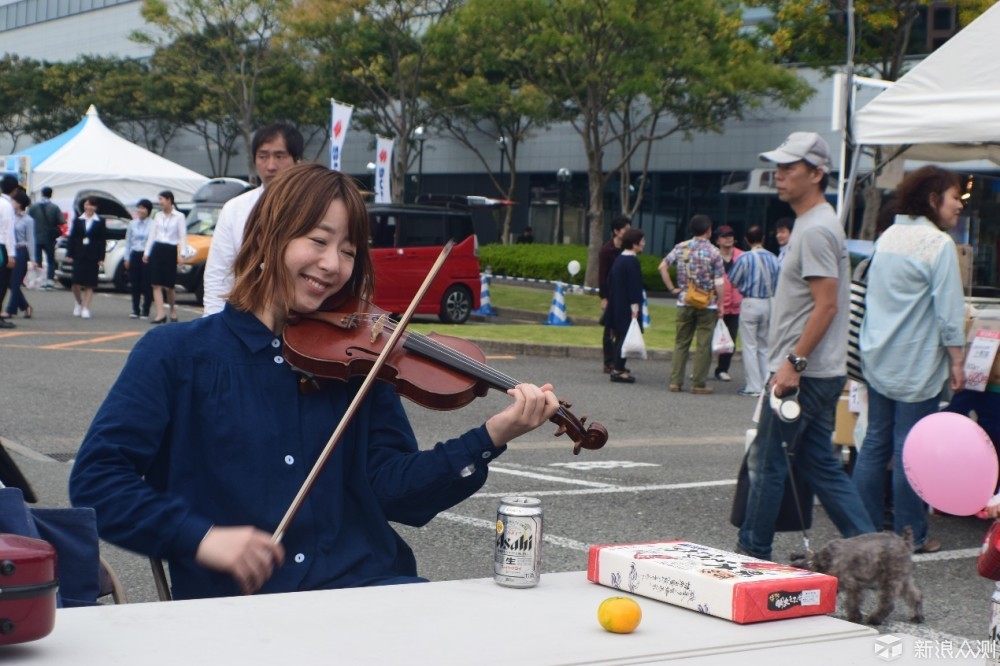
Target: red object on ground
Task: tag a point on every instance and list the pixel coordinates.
(989, 555)
(27, 589)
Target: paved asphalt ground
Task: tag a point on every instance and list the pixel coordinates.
(667, 472)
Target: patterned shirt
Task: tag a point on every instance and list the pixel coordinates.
(755, 274)
(699, 261)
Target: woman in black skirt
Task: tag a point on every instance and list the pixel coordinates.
(169, 232)
(86, 252)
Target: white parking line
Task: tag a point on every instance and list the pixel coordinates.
(494, 469)
(609, 489)
(563, 542)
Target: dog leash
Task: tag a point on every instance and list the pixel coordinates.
(791, 474)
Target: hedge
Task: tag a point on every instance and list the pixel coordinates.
(549, 262)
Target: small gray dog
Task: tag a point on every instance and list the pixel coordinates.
(879, 558)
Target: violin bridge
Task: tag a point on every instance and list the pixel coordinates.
(379, 326)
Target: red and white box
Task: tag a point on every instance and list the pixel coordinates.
(716, 582)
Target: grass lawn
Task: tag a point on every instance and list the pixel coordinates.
(659, 335)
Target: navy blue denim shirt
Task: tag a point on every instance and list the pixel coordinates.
(206, 426)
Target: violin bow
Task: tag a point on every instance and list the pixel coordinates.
(331, 444)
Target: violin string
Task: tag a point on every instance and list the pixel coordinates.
(458, 359)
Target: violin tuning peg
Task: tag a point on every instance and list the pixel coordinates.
(565, 405)
(561, 431)
(583, 420)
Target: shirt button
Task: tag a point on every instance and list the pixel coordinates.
(279, 360)
(487, 455)
(276, 343)
(289, 460)
(299, 558)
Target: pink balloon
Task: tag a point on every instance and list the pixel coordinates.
(951, 463)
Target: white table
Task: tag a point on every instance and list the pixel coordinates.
(455, 622)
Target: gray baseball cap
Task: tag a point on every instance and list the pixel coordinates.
(807, 146)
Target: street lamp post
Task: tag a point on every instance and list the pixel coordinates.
(563, 176)
(418, 134)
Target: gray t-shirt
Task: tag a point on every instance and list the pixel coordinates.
(816, 248)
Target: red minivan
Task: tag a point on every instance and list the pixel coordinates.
(406, 240)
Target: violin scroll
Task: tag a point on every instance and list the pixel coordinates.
(590, 437)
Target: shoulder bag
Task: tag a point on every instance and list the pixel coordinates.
(695, 297)
(859, 289)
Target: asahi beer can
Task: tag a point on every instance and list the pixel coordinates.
(517, 560)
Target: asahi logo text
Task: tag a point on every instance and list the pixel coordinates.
(523, 544)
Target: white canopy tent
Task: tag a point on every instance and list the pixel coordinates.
(947, 108)
(89, 156)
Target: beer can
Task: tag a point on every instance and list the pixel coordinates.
(517, 559)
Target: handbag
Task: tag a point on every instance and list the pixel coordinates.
(695, 296)
(796, 488)
(73, 533)
(722, 342)
(633, 346)
(856, 314)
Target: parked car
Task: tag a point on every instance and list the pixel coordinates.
(116, 217)
(201, 221)
(406, 239)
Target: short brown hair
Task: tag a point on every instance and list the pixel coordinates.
(291, 207)
(914, 195)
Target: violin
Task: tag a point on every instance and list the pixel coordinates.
(441, 372)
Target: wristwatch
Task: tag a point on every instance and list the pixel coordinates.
(798, 362)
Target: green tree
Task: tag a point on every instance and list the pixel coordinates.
(186, 89)
(476, 95)
(815, 33)
(235, 52)
(18, 80)
(372, 53)
(635, 71)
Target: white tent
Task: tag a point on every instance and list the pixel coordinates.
(89, 156)
(947, 108)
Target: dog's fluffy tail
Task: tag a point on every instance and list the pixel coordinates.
(908, 536)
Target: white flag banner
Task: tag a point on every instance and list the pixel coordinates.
(340, 119)
(383, 170)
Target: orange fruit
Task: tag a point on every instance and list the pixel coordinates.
(619, 615)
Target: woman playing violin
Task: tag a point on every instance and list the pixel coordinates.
(199, 466)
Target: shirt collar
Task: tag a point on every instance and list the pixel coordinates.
(250, 330)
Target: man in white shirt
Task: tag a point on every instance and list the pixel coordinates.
(7, 244)
(275, 148)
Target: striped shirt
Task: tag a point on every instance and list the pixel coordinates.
(755, 274)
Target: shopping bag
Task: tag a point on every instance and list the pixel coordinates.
(34, 278)
(722, 342)
(633, 346)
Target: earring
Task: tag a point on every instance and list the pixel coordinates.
(261, 267)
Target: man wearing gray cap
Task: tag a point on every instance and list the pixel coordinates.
(807, 354)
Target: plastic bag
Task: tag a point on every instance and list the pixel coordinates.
(34, 278)
(633, 346)
(722, 342)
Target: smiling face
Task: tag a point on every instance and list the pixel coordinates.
(166, 205)
(320, 263)
(782, 234)
(949, 209)
(89, 209)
